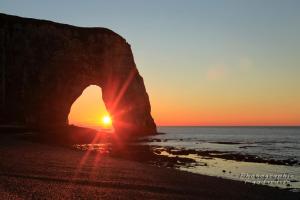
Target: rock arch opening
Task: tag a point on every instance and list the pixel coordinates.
(89, 110)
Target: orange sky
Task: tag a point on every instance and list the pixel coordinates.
(89, 108)
(213, 108)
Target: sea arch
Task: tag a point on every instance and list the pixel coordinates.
(45, 66)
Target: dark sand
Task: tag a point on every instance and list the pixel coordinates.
(31, 170)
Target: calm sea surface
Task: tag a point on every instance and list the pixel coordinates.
(278, 143)
(269, 142)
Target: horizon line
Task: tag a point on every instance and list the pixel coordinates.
(228, 125)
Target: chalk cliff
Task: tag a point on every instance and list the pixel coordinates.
(45, 67)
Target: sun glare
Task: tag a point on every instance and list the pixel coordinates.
(106, 120)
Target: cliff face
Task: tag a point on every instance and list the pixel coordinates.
(45, 66)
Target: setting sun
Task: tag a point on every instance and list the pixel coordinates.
(106, 120)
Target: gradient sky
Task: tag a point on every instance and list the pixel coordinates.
(204, 62)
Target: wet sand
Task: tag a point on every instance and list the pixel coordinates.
(32, 170)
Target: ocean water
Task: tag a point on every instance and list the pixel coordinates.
(277, 143)
(268, 142)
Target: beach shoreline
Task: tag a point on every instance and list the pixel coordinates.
(37, 170)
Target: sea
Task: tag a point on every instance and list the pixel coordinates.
(268, 143)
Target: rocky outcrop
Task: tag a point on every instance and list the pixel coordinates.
(45, 67)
